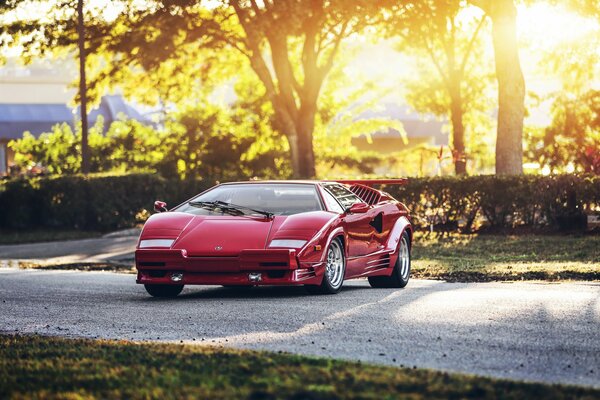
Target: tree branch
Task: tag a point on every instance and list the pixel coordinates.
(439, 68)
(325, 68)
(485, 5)
(471, 43)
(256, 61)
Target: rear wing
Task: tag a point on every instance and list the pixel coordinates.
(371, 182)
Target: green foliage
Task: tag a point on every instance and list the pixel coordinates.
(215, 144)
(452, 74)
(498, 203)
(126, 146)
(573, 137)
(572, 140)
(290, 47)
(96, 203)
(338, 121)
(209, 142)
(471, 203)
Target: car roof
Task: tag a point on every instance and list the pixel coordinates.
(303, 182)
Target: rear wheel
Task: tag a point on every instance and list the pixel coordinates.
(335, 270)
(163, 290)
(401, 273)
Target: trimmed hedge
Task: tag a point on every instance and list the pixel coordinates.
(99, 203)
(500, 202)
(449, 203)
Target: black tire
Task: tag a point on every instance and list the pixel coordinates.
(331, 283)
(401, 272)
(163, 290)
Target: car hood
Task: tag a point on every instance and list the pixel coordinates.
(202, 235)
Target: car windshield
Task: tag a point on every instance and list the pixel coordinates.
(273, 198)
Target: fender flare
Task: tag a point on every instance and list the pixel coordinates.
(339, 231)
(402, 225)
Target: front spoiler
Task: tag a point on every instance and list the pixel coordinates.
(276, 266)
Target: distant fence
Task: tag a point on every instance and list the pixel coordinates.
(475, 203)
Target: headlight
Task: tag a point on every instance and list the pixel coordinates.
(287, 243)
(156, 243)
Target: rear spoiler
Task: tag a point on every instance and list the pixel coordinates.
(371, 182)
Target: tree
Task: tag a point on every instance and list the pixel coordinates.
(290, 45)
(573, 137)
(32, 35)
(511, 85)
(572, 140)
(85, 156)
(436, 30)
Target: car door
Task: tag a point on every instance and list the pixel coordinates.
(360, 234)
(358, 226)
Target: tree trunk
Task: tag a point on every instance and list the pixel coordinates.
(511, 89)
(305, 127)
(458, 128)
(85, 157)
(299, 133)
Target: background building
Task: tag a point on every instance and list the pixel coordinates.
(419, 130)
(36, 97)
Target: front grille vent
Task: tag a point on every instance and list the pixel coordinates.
(151, 264)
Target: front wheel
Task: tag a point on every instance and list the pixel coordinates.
(335, 270)
(401, 273)
(163, 290)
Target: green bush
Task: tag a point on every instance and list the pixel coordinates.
(198, 142)
(103, 202)
(90, 203)
(499, 202)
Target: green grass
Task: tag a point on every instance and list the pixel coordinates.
(496, 257)
(43, 235)
(42, 367)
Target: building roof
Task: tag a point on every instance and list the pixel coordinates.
(39, 118)
(415, 125)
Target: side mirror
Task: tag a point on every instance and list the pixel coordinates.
(160, 206)
(358, 208)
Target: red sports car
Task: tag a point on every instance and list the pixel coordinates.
(311, 233)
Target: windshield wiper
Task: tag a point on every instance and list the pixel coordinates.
(213, 205)
(241, 208)
(229, 207)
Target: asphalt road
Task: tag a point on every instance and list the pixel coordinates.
(115, 247)
(527, 331)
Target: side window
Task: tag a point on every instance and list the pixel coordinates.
(343, 195)
(331, 202)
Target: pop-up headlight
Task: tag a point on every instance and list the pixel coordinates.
(287, 243)
(156, 243)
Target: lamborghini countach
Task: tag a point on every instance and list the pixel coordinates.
(243, 234)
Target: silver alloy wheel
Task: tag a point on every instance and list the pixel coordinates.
(335, 264)
(404, 259)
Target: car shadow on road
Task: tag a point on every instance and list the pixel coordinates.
(259, 292)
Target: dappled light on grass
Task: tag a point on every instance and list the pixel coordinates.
(34, 366)
(506, 257)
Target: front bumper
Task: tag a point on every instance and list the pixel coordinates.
(273, 266)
